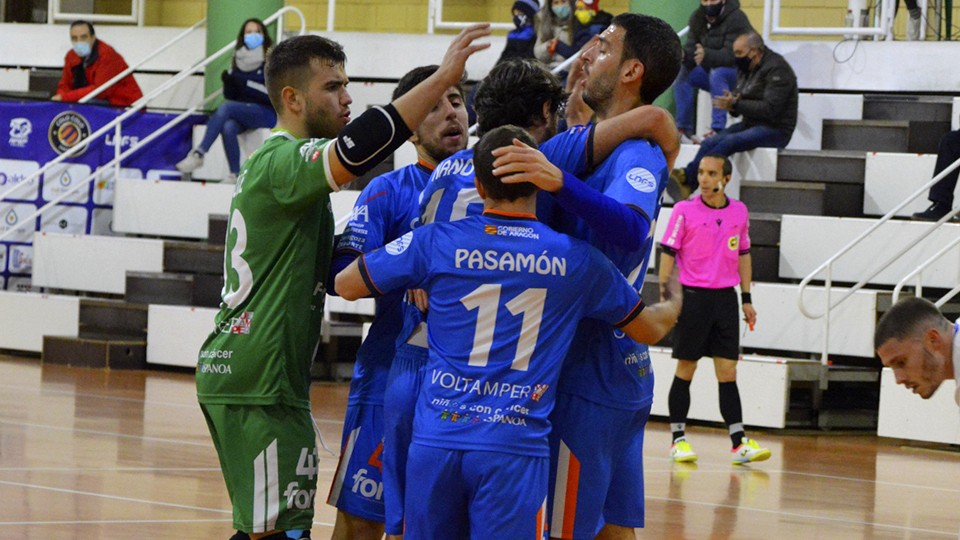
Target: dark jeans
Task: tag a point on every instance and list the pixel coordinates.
(948, 152)
(736, 138)
(716, 81)
(230, 120)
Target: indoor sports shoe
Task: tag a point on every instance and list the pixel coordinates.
(192, 162)
(682, 453)
(748, 452)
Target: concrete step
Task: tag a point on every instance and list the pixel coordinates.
(113, 317)
(95, 352)
(910, 108)
(178, 289)
(764, 228)
(822, 165)
(217, 225)
(804, 198)
(192, 258)
(866, 135)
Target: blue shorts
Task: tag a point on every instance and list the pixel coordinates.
(596, 467)
(475, 494)
(399, 403)
(358, 483)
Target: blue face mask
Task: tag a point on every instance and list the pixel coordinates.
(562, 12)
(82, 48)
(252, 41)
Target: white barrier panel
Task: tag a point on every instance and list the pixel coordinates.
(168, 208)
(813, 109)
(335, 304)
(757, 165)
(890, 178)
(955, 121)
(26, 317)
(763, 382)
(781, 326)
(905, 415)
(214, 166)
(175, 333)
(807, 241)
(92, 263)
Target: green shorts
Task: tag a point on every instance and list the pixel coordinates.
(269, 459)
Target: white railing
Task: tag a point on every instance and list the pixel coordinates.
(115, 124)
(136, 14)
(883, 23)
(918, 273)
(827, 266)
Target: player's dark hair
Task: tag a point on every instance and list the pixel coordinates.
(267, 41)
(727, 166)
(907, 319)
(416, 76)
(483, 163)
(81, 22)
(655, 44)
(290, 63)
(514, 93)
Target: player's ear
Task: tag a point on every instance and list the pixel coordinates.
(291, 99)
(632, 71)
(480, 191)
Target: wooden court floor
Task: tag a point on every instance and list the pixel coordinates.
(97, 454)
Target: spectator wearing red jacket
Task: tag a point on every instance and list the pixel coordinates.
(89, 64)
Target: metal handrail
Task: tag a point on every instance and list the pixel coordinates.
(918, 271)
(883, 20)
(828, 264)
(100, 89)
(142, 102)
(136, 107)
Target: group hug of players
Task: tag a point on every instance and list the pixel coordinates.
(504, 386)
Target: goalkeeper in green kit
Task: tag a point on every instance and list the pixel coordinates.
(253, 371)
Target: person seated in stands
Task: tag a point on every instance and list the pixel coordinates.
(708, 62)
(941, 193)
(554, 32)
(247, 105)
(766, 97)
(523, 37)
(89, 64)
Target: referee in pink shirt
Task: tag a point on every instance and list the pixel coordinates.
(709, 239)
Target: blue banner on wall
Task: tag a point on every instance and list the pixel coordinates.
(35, 134)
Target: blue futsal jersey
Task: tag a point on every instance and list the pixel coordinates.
(385, 210)
(604, 365)
(505, 293)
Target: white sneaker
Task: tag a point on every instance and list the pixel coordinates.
(229, 179)
(192, 162)
(749, 451)
(681, 452)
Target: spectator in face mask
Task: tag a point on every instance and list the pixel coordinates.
(246, 106)
(554, 32)
(523, 37)
(89, 64)
(708, 62)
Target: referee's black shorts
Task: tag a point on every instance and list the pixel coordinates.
(709, 324)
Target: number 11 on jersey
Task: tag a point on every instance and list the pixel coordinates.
(486, 300)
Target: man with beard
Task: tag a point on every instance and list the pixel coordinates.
(385, 211)
(606, 387)
(253, 371)
(920, 345)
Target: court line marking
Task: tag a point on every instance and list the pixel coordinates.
(803, 516)
(131, 521)
(122, 469)
(107, 433)
(113, 497)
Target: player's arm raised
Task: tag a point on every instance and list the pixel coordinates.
(645, 122)
(375, 134)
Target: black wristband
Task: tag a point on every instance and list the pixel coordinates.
(745, 298)
(370, 138)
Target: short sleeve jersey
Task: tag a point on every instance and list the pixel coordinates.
(385, 210)
(277, 256)
(708, 242)
(604, 365)
(505, 295)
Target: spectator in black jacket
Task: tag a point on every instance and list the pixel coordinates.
(247, 105)
(766, 98)
(708, 61)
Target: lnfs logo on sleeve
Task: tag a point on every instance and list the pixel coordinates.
(642, 180)
(399, 245)
(67, 130)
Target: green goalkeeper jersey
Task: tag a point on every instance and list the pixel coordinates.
(276, 261)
